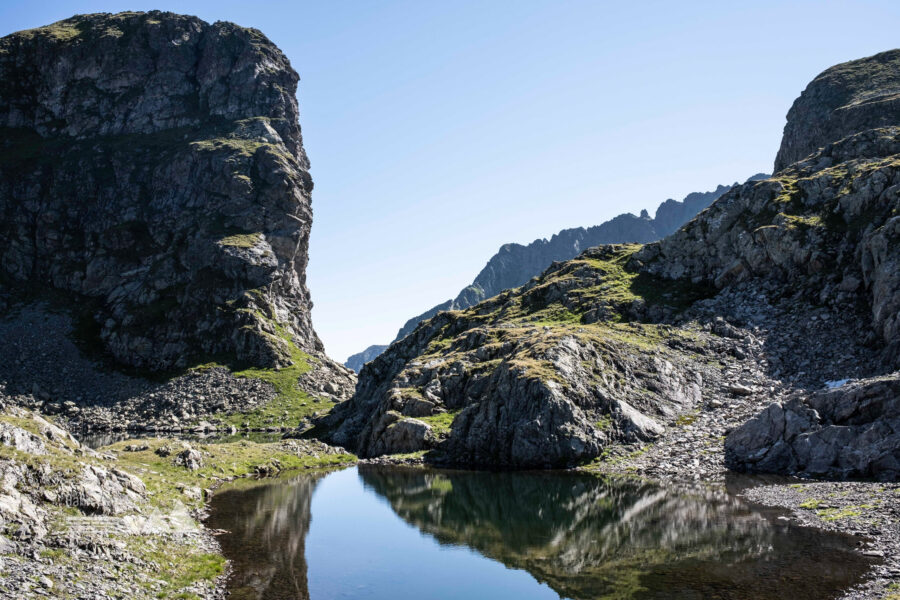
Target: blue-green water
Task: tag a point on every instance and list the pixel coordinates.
(388, 533)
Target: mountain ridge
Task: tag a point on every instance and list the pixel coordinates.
(780, 286)
(514, 264)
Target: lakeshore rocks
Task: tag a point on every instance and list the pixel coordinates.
(86, 522)
(846, 507)
(849, 431)
(152, 167)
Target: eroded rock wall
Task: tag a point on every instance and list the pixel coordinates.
(849, 431)
(151, 165)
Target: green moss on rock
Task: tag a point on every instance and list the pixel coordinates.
(245, 240)
(440, 423)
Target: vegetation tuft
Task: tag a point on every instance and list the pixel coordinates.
(241, 240)
(440, 423)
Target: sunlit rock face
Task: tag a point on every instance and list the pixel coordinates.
(826, 227)
(151, 165)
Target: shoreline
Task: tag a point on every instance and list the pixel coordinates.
(854, 508)
(127, 520)
(864, 509)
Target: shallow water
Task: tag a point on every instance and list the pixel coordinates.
(389, 532)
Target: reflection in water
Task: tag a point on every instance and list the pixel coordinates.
(582, 536)
(589, 537)
(267, 527)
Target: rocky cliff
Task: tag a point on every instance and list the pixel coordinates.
(781, 285)
(843, 100)
(152, 166)
(514, 264)
(155, 216)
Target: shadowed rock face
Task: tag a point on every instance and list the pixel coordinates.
(845, 99)
(151, 164)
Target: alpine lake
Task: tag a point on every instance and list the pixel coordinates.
(385, 532)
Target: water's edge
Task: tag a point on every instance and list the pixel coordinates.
(626, 537)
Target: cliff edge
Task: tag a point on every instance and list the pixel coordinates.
(151, 164)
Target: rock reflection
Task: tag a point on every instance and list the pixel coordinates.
(267, 524)
(588, 537)
(585, 537)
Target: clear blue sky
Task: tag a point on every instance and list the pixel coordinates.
(439, 130)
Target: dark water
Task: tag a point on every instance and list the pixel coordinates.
(390, 533)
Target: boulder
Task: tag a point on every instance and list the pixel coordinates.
(97, 490)
(21, 440)
(189, 458)
(848, 431)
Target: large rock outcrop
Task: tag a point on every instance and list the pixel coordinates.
(826, 227)
(612, 346)
(151, 165)
(843, 100)
(543, 376)
(852, 430)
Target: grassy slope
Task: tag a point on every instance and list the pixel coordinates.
(291, 404)
(521, 325)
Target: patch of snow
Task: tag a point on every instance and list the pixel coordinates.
(836, 383)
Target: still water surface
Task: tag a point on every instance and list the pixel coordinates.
(389, 533)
